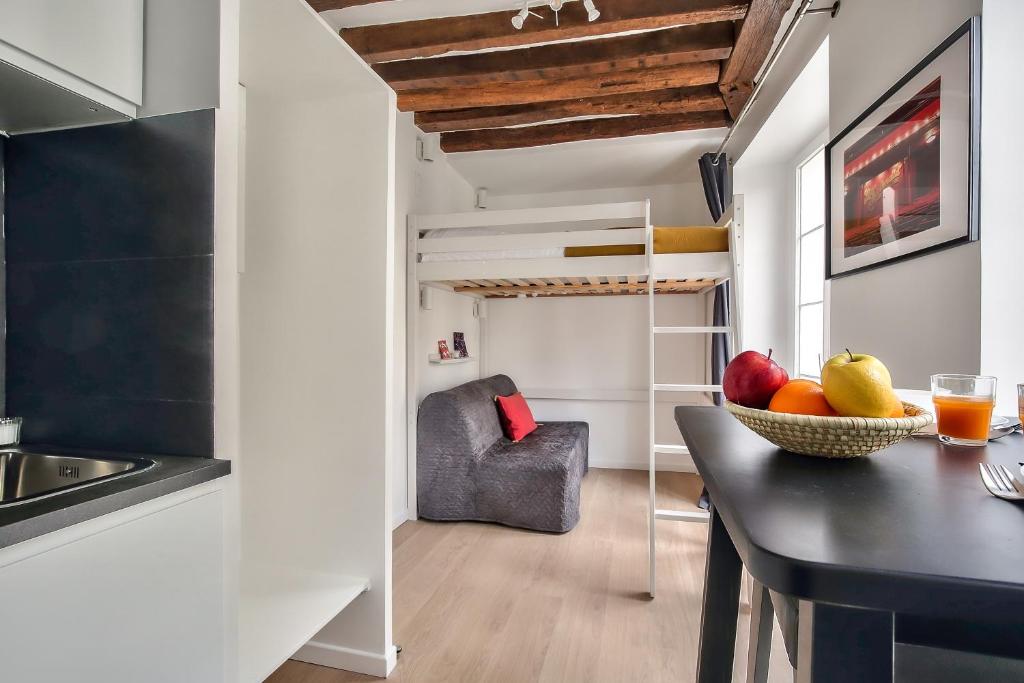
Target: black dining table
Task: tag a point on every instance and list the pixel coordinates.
(903, 545)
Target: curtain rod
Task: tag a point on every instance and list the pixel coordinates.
(801, 12)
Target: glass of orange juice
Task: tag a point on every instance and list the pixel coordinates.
(1020, 402)
(963, 408)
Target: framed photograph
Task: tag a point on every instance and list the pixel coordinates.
(459, 344)
(902, 179)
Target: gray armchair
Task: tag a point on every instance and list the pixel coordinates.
(467, 470)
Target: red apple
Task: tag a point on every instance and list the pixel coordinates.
(752, 378)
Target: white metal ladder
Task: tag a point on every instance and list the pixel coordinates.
(733, 218)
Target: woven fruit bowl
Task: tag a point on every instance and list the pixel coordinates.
(831, 437)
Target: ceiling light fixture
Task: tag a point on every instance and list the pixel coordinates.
(519, 19)
(556, 6)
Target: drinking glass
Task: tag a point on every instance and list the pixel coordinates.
(963, 408)
(1020, 402)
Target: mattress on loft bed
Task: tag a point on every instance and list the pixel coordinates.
(680, 240)
(683, 240)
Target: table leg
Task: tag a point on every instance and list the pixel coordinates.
(844, 645)
(759, 644)
(721, 605)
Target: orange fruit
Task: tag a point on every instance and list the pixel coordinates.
(801, 397)
(897, 408)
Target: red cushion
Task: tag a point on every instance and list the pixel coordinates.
(516, 418)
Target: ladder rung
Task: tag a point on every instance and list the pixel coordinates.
(687, 387)
(681, 516)
(671, 448)
(692, 330)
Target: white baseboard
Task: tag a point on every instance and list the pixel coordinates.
(681, 465)
(358, 661)
(399, 519)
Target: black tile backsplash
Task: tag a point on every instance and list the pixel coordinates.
(97, 328)
(117, 424)
(124, 190)
(110, 285)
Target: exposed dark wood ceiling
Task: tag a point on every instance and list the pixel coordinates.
(645, 66)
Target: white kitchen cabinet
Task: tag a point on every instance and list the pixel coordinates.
(135, 595)
(89, 48)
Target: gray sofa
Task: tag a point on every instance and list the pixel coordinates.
(467, 470)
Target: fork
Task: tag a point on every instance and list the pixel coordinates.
(1000, 482)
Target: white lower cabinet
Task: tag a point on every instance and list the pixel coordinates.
(136, 595)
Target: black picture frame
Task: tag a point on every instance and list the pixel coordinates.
(971, 27)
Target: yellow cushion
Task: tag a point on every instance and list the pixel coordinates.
(687, 240)
(607, 250)
(690, 240)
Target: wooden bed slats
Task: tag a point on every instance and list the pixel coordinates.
(574, 286)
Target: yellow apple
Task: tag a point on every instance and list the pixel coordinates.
(858, 385)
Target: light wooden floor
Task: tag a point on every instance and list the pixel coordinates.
(480, 602)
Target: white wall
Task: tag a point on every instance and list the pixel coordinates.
(769, 259)
(598, 345)
(316, 344)
(766, 177)
(920, 316)
(671, 205)
(1002, 243)
(424, 187)
(449, 313)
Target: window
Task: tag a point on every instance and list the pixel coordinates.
(810, 271)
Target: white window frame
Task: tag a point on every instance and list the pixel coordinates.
(799, 235)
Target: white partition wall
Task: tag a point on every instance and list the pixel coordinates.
(316, 327)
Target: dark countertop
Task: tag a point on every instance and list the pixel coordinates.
(909, 529)
(20, 522)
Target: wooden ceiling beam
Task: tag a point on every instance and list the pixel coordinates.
(432, 37)
(668, 101)
(666, 47)
(542, 90)
(754, 39)
(590, 129)
(324, 5)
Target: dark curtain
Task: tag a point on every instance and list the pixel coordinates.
(717, 180)
(715, 175)
(720, 351)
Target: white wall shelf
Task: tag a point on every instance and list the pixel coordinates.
(282, 609)
(437, 360)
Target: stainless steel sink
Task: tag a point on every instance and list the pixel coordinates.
(28, 475)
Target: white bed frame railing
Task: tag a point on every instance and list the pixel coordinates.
(579, 238)
(533, 231)
(534, 216)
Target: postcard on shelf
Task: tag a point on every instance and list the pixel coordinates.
(459, 344)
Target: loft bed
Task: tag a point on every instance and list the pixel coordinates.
(587, 250)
